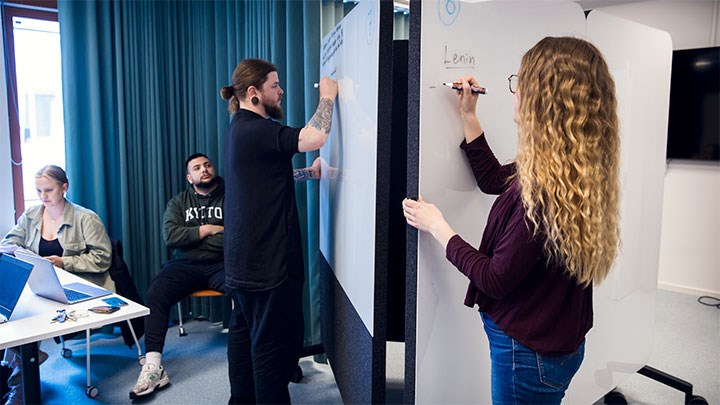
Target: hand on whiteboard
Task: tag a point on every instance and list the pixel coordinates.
(427, 217)
(467, 99)
(328, 88)
(467, 103)
(316, 168)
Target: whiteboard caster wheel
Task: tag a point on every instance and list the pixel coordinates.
(181, 331)
(66, 353)
(92, 391)
(141, 360)
(697, 399)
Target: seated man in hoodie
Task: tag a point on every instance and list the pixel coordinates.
(192, 227)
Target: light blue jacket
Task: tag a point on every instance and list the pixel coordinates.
(86, 245)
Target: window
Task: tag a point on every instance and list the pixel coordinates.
(34, 82)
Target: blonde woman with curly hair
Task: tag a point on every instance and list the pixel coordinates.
(552, 232)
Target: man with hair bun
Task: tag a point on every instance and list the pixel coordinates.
(263, 250)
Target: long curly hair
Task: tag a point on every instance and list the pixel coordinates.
(568, 154)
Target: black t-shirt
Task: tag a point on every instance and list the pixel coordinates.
(262, 232)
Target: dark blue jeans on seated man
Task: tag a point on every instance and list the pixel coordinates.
(520, 375)
(265, 339)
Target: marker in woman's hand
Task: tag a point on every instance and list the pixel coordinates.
(473, 89)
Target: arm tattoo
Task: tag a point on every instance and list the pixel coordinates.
(303, 174)
(323, 116)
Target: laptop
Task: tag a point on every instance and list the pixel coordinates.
(14, 273)
(45, 283)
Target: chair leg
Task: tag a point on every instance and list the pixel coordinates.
(64, 352)
(181, 329)
(141, 358)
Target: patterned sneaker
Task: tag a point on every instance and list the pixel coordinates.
(151, 377)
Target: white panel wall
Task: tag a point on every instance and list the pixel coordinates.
(689, 254)
(486, 40)
(7, 209)
(449, 336)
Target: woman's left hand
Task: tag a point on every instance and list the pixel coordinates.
(57, 261)
(427, 218)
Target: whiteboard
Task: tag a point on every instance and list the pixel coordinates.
(620, 342)
(488, 40)
(349, 54)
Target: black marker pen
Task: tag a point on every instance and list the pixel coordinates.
(473, 89)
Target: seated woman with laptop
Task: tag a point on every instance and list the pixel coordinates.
(70, 236)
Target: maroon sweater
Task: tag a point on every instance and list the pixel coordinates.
(535, 302)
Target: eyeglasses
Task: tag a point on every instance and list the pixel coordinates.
(513, 83)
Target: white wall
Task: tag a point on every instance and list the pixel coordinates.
(690, 238)
(7, 209)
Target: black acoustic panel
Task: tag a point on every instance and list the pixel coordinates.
(413, 168)
(347, 342)
(398, 180)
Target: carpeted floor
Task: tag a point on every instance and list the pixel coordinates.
(686, 344)
(196, 365)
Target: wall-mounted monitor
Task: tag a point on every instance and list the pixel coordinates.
(694, 121)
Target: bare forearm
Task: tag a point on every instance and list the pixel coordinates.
(322, 118)
(471, 127)
(315, 133)
(442, 232)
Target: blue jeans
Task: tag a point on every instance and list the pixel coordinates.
(520, 375)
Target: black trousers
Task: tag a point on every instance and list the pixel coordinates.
(265, 340)
(177, 279)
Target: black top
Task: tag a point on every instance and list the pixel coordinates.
(262, 231)
(50, 248)
(534, 301)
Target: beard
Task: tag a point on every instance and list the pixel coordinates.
(274, 111)
(206, 185)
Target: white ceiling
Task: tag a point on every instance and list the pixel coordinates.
(585, 4)
(592, 4)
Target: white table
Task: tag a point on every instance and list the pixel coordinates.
(30, 323)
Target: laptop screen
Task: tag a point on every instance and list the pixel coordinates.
(13, 276)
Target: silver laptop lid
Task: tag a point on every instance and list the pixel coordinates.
(43, 280)
(45, 283)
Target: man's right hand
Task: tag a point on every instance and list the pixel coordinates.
(328, 88)
(208, 230)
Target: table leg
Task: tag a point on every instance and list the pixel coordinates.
(31, 373)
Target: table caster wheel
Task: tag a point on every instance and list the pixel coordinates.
(66, 353)
(92, 391)
(181, 331)
(141, 360)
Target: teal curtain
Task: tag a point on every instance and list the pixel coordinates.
(141, 86)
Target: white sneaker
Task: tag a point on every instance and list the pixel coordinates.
(151, 377)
